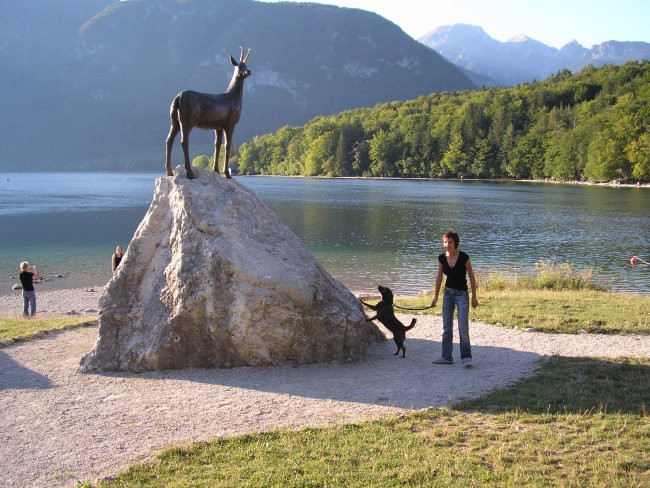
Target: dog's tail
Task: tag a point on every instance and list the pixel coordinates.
(412, 324)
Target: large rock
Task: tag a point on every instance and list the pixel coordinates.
(212, 278)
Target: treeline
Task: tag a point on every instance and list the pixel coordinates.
(589, 126)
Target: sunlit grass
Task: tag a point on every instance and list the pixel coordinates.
(21, 329)
(577, 423)
(567, 311)
(552, 298)
(545, 276)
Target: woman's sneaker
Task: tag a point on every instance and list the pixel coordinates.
(442, 360)
(467, 362)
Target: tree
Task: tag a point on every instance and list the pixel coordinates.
(455, 160)
(249, 157)
(638, 152)
(381, 149)
(481, 158)
(361, 161)
(202, 161)
(604, 157)
(319, 158)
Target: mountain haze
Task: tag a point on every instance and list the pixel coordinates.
(89, 82)
(522, 59)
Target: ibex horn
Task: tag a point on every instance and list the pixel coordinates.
(247, 55)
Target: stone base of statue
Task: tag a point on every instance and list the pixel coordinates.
(212, 278)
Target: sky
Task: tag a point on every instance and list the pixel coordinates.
(553, 22)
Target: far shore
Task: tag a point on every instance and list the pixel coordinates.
(614, 184)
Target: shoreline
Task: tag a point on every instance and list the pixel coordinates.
(81, 302)
(72, 302)
(613, 184)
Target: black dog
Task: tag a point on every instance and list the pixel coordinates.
(386, 315)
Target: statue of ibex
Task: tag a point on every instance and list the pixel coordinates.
(207, 111)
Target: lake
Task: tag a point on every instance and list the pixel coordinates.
(365, 232)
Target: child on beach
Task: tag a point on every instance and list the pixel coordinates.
(29, 294)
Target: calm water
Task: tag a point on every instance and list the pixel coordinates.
(365, 232)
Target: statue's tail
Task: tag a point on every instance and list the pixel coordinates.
(173, 110)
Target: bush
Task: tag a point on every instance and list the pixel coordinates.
(546, 276)
(203, 161)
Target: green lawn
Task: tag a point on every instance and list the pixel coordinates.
(579, 422)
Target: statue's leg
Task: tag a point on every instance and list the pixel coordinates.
(227, 142)
(185, 136)
(218, 138)
(173, 130)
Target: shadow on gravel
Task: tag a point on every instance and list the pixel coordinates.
(13, 375)
(381, 379)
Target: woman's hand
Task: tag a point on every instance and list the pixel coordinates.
(434, 301)
(474, 302)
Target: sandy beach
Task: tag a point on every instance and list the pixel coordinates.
(79, 302)
(59, 427)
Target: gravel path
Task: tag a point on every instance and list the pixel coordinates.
(58, 427)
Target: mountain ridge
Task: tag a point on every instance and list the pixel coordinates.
(95, 92)
(523, 59)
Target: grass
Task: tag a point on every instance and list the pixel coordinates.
(565, 311)
(579, 422)
(553, 298)
(545, 276)
(21, 329)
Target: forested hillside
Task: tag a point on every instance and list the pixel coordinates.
(589, 126)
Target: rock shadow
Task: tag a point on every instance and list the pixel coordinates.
(15, 376)
(381, 379)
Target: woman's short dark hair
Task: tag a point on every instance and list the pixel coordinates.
(450, 234)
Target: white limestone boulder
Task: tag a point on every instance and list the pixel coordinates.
(212, 278)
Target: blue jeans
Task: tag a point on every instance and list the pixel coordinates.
(29, 298)
(455, 299)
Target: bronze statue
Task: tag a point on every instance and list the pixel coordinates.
(207, 111)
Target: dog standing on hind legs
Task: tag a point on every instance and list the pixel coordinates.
(386, 315)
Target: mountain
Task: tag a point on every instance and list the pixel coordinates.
(522, 59)
(88, 83)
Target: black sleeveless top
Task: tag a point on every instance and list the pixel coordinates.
(456, 276)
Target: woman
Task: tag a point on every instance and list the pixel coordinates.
(456, 266)
(117, 258)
